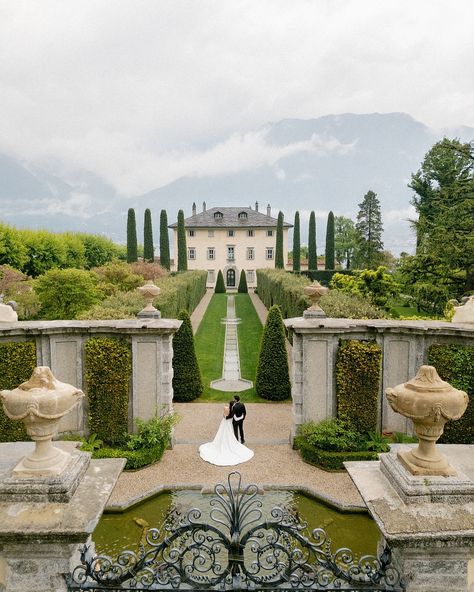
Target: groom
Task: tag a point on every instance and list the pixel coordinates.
(238, 415)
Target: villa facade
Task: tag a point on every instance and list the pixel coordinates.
(231, 239)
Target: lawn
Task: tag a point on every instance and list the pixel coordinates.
(209, 343)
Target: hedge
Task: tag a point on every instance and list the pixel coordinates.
(358, 376)
(328, 460)
(276, 286)
(135, 458)
(455, 364)
(108, 369)
(17, 362)
(324, 276)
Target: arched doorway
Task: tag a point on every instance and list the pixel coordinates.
(230, 278)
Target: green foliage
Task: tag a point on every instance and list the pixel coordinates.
(339, 305)
(118, 276)
(296, 243)
(164, 241)
(153, 432)
(17, 362)
(92, 443)
(330, 434)
(358, 376)
(219, 288)
(328, 460)
(148, 270)
(75, 255)
(44, 251)
(132, 246)
(279, 260)
(330, 246)
(99, 250)
(377, 286)
(369, 232)
(182, 254)
(345, 240)
(273, 379)
(12, 247)
(455, 364)
(324, 276)
(312, 253)
(136, 459)
(377, 442)
(276, 286)
(108, 370)
(148, 248)
(187, 383)
(242, 289)
(64, 293)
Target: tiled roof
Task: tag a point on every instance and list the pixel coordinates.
(230, 219)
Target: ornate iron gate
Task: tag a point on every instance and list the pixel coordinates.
(236, 550)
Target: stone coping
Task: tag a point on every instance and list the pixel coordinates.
(111, 326)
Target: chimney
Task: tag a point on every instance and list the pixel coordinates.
(256, 206)
(203, 206)
(194, 209)
(269, 210)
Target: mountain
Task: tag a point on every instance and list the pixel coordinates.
(314, 164)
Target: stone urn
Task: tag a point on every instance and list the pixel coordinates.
(149, 291)
(430, 402)
(40, 402)
(464, 313)
(314, 293)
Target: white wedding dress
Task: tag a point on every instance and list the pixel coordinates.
(225, 450)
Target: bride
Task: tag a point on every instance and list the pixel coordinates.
(225, 449)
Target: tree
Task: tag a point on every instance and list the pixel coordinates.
(148, 248)
(164, 241)
(378, 286)
(187, 382)
(273, 377)
(220, 286)
(369, 232)
(12, 248)
(132, 247)
(279, 261)
(312, 254)
(345, 239)
(44, 250)
(330, 247)
(242, 289)
(98, 250)
(182, 254)
(296, 243)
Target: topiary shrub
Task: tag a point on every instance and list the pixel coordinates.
(455, 364)
(17, 362)
(187, 383)
(242, 289)
(273, 378)
(108, 370)
(358, 376)
(220, 286)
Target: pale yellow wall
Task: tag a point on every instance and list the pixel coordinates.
(201, 241)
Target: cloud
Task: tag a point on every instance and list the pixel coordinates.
(78, 205)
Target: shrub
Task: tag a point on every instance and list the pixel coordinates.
(108, 369)
(148, 270)
(273, 378)
(331, 435)
(99, 250)
(276, 286)
(12, 247)
(118, 276)
(220, 286)
(455, 364)
(328, 460)
(338, 305)
(17, 362)
(153, 432)
(358, 370)
(187, 383)
(45, 251)
(324, 276)
(376, 285)
(242, 289)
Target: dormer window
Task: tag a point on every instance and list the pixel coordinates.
(243, 216)
(218, 215)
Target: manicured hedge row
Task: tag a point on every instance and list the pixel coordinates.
(108, 364)
(328, 460)
(358, 375)
(135, 458)
(455, 364)
(17, 361)
(276, 286)
(323, 276)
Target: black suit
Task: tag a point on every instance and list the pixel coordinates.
(239, 411)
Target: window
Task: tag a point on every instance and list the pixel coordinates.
(210, 276)
(250, 253)
(190, 232)
(269, 254)
(191, 253)
(250, 273)
(249, 232)
(269, 233)
(230, 253)
(243, 216)
(231, 233)
(218, 215)
(210, 233)
(211, 253)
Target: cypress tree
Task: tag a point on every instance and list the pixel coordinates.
(220, 286)
(187, 382)
(330, 245)
(242, 289)
(279, 261)
(273, 377)
(148, 248)
(132, 248)
(182, 255)
(296, 243)
(164, 241)
(312, 254)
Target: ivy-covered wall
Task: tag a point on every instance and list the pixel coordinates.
(455, 364)
(17, 361)
(108, 370)
(358, 382)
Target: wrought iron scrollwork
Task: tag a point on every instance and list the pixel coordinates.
(235, 550)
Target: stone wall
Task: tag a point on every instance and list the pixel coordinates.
(60, 345)
(404, 347)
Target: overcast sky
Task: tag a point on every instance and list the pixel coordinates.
(142, 92)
